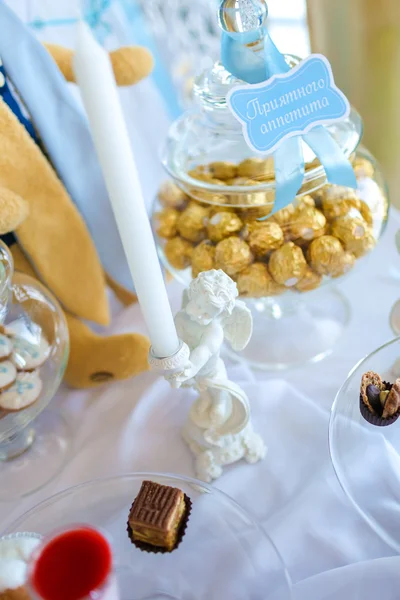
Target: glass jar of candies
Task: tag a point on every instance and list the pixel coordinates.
(215, 209)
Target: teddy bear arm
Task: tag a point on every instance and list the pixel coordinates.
(13, 210)
(130, 63)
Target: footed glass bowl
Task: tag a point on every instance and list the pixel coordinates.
(224, 554)
(366, 457)
(33, 441)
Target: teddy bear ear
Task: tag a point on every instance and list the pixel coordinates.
(131, 64)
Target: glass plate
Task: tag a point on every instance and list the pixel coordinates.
(366, 458)
(225, 554)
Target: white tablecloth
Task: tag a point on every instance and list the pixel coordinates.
(331, 553)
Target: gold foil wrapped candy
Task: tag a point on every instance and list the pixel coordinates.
(256, 282)
(178, 252)
(222, 225)
(284, 216)
(349, 228)
(166, 221)
(263, 238)
(310, 281)
(308, 224)
(263, 198)
(257, 168)
(363, 168)
(192, 223)
(170, 195)
(361, 246)
(223, 170)
(203, 258)
(232, 255)
(287, 265)
(366, 213)
(304, 202)
(344, 264)
(337, 201)
(325, 254)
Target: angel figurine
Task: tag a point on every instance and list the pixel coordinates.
(218, 430)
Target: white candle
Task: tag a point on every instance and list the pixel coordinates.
(95, 77)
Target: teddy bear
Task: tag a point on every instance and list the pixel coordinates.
(52, 240)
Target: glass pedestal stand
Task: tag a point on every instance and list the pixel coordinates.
(32, 457)
(292, 330)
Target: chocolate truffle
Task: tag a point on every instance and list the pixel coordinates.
(178, 252)
(232, 255)
(203, 258)
(287, 265)
(157, 515)
(256, 282)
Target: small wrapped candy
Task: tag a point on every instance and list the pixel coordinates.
(252, 214)
(284, 216)
(349, 228)
(222, 225)
(223, 170)
(343, 265)
(308, 224)
(366, 213)
(257, 168)
(232, 255)
(256, 282)
(362, 246)
(203, 258)
(263, 238)
(192, 222)
(325, 254)
(287, 265)
(201, 174)
(310, 281)
(363, 168)
(170, 195)
(178, 252)
(338, 200)
(304, 202)
(166, 221)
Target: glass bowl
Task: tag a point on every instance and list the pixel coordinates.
(366, 458)
(220, 232)
(32, 320)
(224, 553)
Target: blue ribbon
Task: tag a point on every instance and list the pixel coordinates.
(253, 67)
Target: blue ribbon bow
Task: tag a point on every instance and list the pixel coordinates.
(253, 68)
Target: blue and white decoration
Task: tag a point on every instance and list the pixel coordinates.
(282, 107)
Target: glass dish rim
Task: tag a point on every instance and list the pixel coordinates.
(337, 470)
(10, 528)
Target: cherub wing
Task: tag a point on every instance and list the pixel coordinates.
(238, 326)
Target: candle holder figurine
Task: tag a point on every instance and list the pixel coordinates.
(218, 430)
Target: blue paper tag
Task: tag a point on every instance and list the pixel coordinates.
(288, 104)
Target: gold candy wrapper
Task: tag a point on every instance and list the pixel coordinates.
(263, 238)
(222, 225)
(287, 265)
(178, 252)
(256, 282)
(232, 255)
(349, 228)
(192, 223)
(325, 254)
(170, 195)
(322, 233)
(166, 222)
(310, 281)
(344, 264)
(257, 168)
(203, 258)
(309, 223)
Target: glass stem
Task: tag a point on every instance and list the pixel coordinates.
(17, 444)
(277, 307)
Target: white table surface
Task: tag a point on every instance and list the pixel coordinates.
(134, 426)
(330, 552)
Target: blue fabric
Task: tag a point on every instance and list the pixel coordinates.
(65, 134)
(10, 99)
(252, 67)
